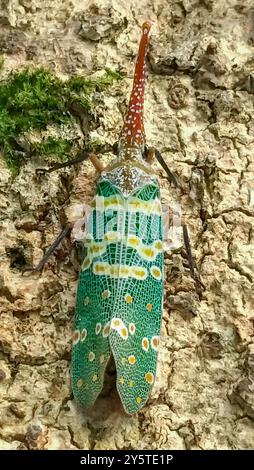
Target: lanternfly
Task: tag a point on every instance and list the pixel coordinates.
(123, 277)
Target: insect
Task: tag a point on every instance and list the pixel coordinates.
(120, 290)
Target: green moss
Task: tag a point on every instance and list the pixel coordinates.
(34, 98)
(78, 83)
(94, 145)
(58, 149)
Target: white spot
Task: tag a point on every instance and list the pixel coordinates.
(116, 323)
(132, 328)
(123, 332)
(145, 344)
(91, 356)
(154, 342)
(83, 335)
(106, 330)
(76, 337)
(98, 328)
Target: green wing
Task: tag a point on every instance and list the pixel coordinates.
(138, 304)
(119, 302)
(91, 351)
(95, 299)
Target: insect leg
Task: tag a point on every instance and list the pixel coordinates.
(96, 162)
(82, 157)
(171, 176)
(50, 250)
(172, 179)
(187, 244)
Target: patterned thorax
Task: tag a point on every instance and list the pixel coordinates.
(128, 177)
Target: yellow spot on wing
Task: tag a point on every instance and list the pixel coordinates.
(124, 271)
(138, 400)
(148, 252)
(75, 337)
(149, 377)
(86, 300)
(110, 200)
(133, 241)
(119, 271)
(145, 344)
(156, 272)
(79, 383)
(128, 298)
(155, 342)
(97, 248)
(95, 378)
(131, 383)
(132, 359)
(138, 273)
(113, 202)
(106, 330)
(158, 245)
(111, 236)
(106, 294)
(149, 307)
(124, 333)
(121, 380)
(114, 270)
(102, 359)
(136, 204)
(116, 322)
(100, 268)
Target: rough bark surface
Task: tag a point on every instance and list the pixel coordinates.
(199, 113)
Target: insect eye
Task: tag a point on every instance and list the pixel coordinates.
(145, 152)
(115, 148)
